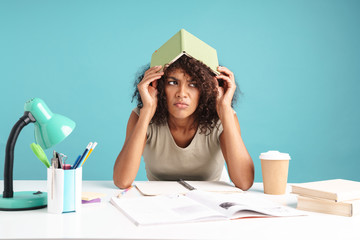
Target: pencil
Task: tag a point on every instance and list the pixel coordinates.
(92, 148)
(123, 192)
(83, 155)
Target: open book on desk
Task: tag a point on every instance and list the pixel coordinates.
(198, 205)
(154, 188)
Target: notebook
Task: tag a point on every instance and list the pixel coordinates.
(88, 196)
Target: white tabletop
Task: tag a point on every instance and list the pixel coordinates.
(104, 221)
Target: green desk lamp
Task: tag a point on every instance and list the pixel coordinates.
(50, 129)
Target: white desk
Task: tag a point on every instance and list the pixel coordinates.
(104, 221)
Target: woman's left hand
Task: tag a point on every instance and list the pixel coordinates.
(226, 91)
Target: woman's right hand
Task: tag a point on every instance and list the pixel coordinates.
(148, 91)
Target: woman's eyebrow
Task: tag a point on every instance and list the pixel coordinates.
(174, 78)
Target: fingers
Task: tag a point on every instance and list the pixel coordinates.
(227, 76)
(150, 79)
(226, 92)
(228, 82)
(152, 70)
(154, 84)
(226, 71)
(151, 75)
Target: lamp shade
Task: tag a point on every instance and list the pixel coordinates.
(50, 128)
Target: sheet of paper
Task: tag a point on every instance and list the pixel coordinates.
(164, 209)
(153, 188)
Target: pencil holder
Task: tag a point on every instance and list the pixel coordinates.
(64, 190)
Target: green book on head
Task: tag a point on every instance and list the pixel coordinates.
(182, 43)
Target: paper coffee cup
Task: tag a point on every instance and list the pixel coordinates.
(274, 166)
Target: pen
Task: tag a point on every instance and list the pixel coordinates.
(92, 148)
(77, 159)
(82, 156)
(186, 185)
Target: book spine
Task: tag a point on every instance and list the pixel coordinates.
(314, 193)
(324, 206)
(184, 36)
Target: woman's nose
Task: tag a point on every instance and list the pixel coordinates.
(181, 91)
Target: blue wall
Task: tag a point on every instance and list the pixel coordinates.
(297, 62)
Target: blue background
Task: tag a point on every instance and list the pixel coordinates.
(297, 63)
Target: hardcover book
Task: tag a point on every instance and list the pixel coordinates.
(337, 189)
(346, 208)
(182, 43)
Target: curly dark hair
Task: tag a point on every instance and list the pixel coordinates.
(205, 115)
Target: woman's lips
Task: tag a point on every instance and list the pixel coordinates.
(181, 105)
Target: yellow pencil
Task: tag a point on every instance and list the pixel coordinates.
(92, 148)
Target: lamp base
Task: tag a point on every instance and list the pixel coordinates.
(26, 200)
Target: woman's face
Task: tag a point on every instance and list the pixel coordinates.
(182, 94)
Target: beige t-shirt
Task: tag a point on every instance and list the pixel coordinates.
(164, 160)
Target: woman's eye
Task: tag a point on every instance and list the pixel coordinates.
(192, 85)
(172, 82)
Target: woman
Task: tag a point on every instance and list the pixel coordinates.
(184, 127)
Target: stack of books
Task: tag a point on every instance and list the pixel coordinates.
(337, 196)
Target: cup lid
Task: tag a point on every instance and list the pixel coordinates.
(274, 155)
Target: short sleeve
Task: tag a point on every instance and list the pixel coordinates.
(137, 111)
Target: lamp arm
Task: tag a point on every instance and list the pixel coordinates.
(9, 154)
